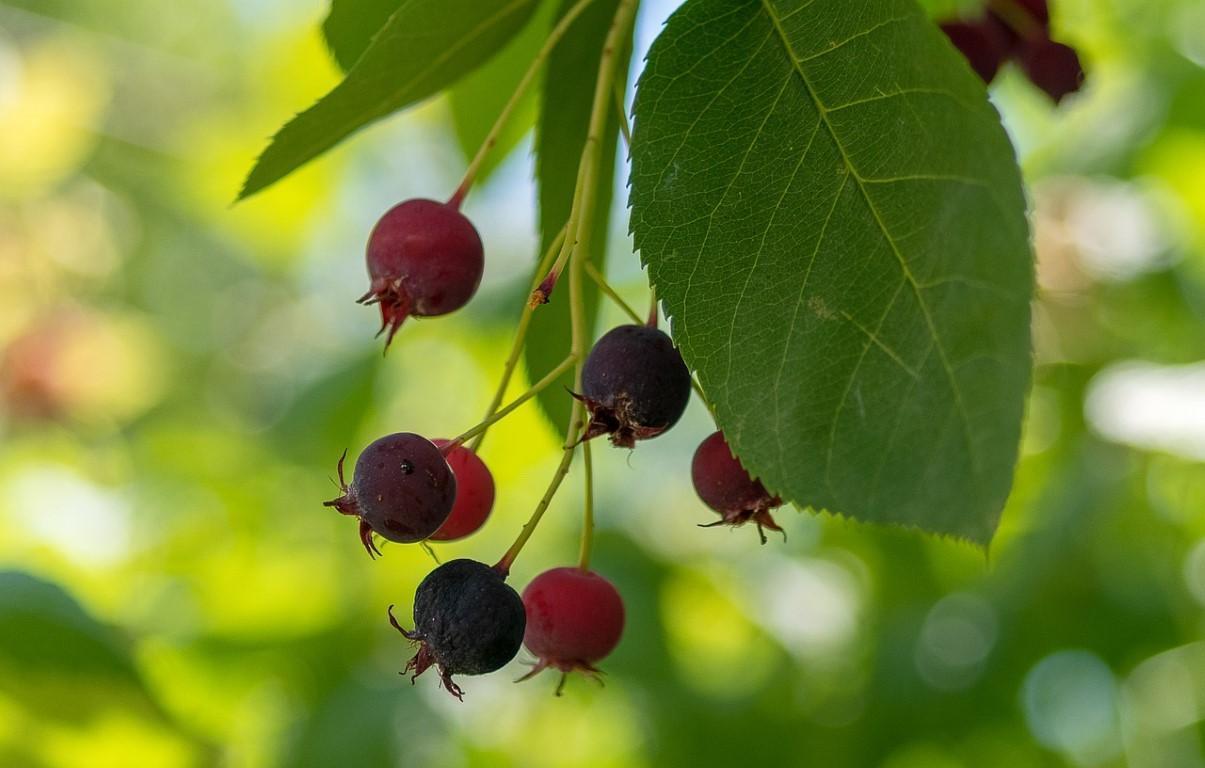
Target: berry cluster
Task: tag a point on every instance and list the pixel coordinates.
(425, 259)
(1017, 30)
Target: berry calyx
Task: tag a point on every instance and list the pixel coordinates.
(724, 486)
(424, 259)
(574, 620)
(474, 492)
(634, 385)
(402, 490)
(467, 621)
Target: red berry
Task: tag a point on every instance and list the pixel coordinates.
(1053, 67)
(474, 493)
(403, 490)
(724, 485)
(635, 385)
(424, 259)
(574, 620)
(983, 43)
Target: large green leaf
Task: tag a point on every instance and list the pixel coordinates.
(560, 135)
(833, 216)
(425, 46)
(351, 25)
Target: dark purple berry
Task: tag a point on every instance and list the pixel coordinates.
(1053, 67)
(424, 259)
(983, 43)
(402, 489)
(724, 485)
(467, 620)
(634, 384)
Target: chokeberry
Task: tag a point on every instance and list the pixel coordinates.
(1053, 67)
(402, 489)
(474, 492)
(983, 42)
(467, 621)
(574, 619)
(634, 384)
(424, 259)
(724, 485)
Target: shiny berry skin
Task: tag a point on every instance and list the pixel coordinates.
(724, 485)
(574, 620)
(474, 493)
(424, 259)
(1053, 67)
(402, 489)
(467, 621)
(983, 43)
(634, 384)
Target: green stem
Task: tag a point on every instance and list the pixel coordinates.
(611, 294)
(536, 389)
(625, 128)
(583, 560)
(516, 348)
(525, 83)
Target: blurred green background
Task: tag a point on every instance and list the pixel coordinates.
(178, 377)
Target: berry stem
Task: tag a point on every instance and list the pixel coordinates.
(516, 348)
(491, 139)
(625, 128)
(575, 249)
(1016, 18)
(576, 422)
(610, 292)
(583, 560)
(549, 379)
(653, 314)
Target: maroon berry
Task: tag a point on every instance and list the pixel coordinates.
(424, 259)
(634, 384)
(574, 620)
(467, 620)
(474, 492)
(1053, 67)
(983, 43)
(403, 490)
(724, 485)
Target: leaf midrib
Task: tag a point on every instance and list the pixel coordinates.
(907, 273)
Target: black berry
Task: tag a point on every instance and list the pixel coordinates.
(467, 620)
(634, 384)
(724, 485)
(402, 489)
(424, 259)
